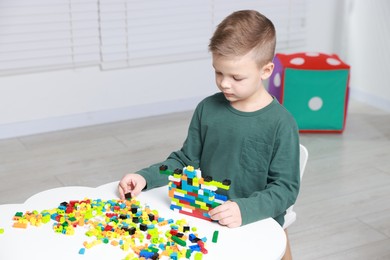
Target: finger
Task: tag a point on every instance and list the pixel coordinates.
(214, 214)
(218, 213)
(229, 221)
(231, 217)
(221, 208)
(233, 224)
(137, 188)
(121, 192)
(123, 189)
(225, 221)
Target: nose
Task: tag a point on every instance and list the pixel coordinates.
(225, 84)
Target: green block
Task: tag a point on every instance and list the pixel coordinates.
(153, 249)
(188, 254)
(72, 219)
(178, 241)
(215, 236)
(166, 172)
(214, 204)
(194, 205)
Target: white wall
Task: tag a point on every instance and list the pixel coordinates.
(48, 101)
(322, 25)
(41, 102)
(367, 50)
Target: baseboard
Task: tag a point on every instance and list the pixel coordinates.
(95, 118)
(370, 99)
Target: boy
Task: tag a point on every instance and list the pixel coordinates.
(242, 133)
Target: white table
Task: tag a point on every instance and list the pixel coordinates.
(260, 240)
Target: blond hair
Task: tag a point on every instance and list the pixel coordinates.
(242, 32)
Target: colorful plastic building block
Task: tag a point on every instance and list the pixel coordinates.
(215, 236)
(128, 196)
(122, 223)
(193, 195)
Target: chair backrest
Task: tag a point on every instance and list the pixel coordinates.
(303, 156)
(291, 216)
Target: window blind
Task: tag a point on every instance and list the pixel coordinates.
(40, 35)
(135, 32)
(47, 34)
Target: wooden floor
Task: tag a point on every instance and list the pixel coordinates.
(343, 208)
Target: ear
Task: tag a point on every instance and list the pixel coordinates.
(267, 70)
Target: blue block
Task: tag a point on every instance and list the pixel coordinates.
(150, 226)
(173, 256)
(206, 215)
(175, 207)
(190, 198)
(190, 174)
(221, 197)
(195, 248)
(146, 254)
(192, 238)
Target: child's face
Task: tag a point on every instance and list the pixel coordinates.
(240, 79)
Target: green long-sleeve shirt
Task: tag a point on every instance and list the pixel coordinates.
(258, 151)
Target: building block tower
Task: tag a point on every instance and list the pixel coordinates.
(193, 195)
(314, 88)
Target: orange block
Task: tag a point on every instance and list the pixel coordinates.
(163, 223)
(19, 225)
(171, 193)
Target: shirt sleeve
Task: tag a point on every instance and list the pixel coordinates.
(189, 154)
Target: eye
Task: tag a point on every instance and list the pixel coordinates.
(237, 78)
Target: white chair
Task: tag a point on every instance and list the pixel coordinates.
(291, 216)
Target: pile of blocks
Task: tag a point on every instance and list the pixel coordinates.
(314, 88)
(125, 224)
(193, 195)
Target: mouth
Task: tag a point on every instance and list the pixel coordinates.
(228, 95)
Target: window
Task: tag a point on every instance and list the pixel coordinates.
(40, 35)
(48, 34)
(135, 32)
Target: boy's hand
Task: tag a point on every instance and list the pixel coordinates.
(227, 214)
(132, 182)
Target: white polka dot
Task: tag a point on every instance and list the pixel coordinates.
(333, 61)
(297, 61)
(277, 80)
(315, 103)
(312, 54)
